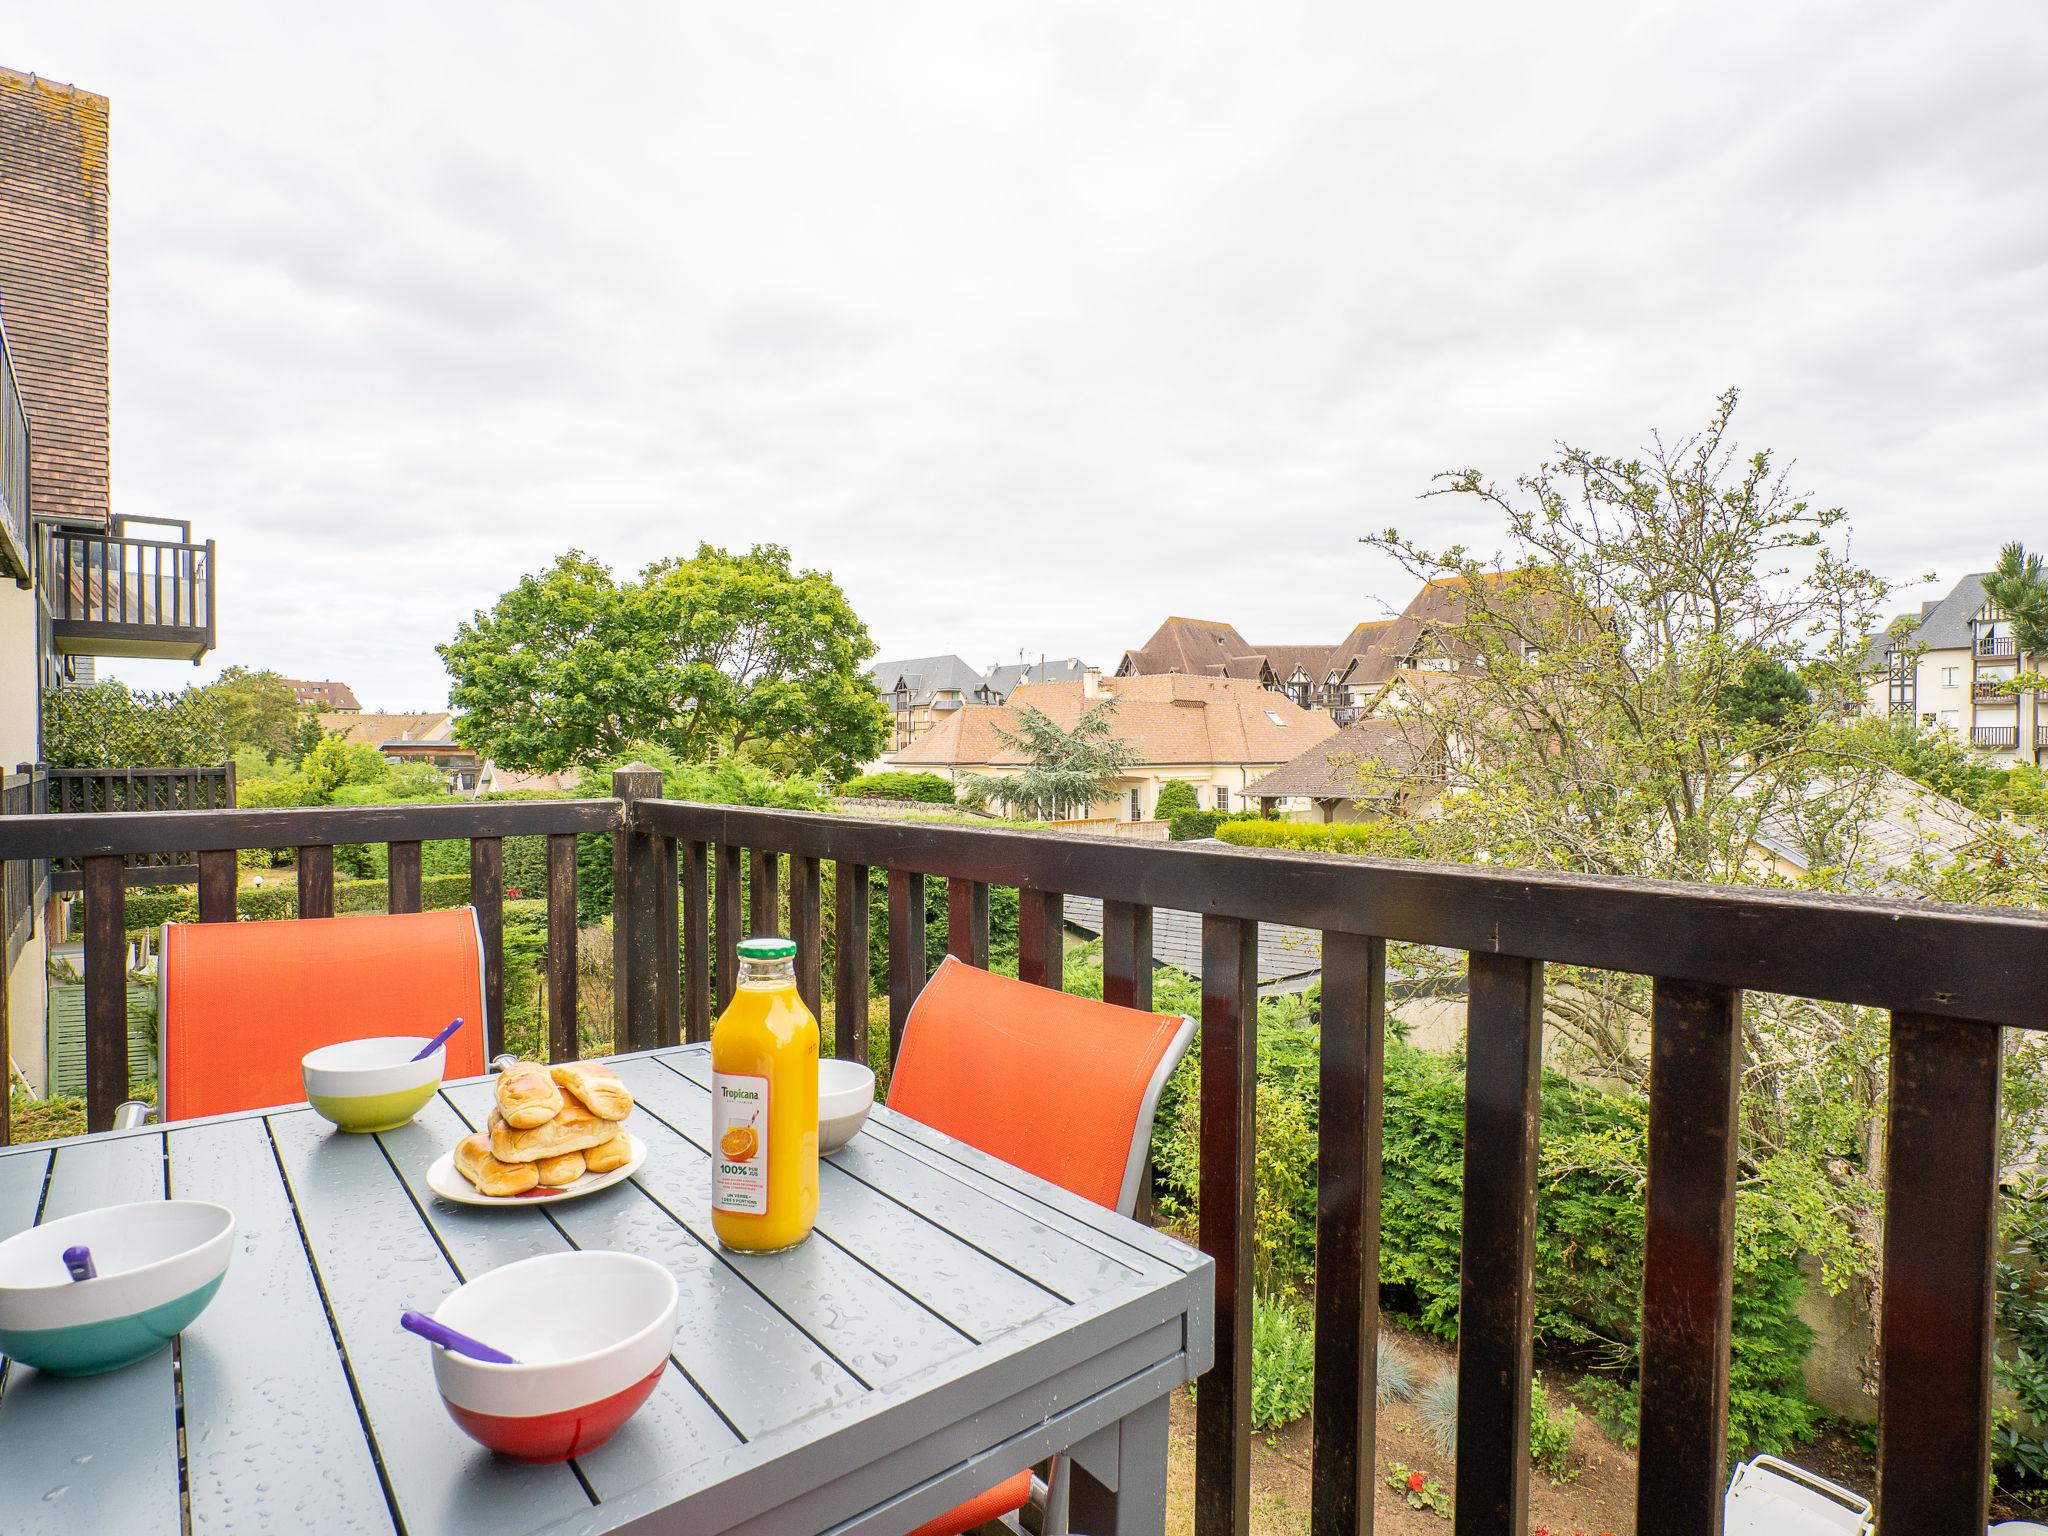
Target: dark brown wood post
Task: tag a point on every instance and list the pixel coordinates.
(1348, 1233)
(316, 881)
(1496, 1289)
(402, 879)
(487, 895)
(967, 922)
(217, 880)
(907, 974)
(764, 893)
(1940, 1238)
(850, 961)
(727, 879)
(1223, 1409)
(1688, 1256)
(806, 926)
(695, 861)
(106, 990)
(564, 1041)
(644, 958)
(1126, 954)
(1041, 938)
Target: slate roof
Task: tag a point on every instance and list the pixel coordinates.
(1362, 761)
(1911, 821)
(1943, 625)
(927, 676)
(1164, 719)
(1053, 669)
(1289, 958)
(54, 280)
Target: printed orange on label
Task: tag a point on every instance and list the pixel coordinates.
(740, 1143)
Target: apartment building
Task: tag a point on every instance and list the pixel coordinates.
(1951, 667)
(924, 690)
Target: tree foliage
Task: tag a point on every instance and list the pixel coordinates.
(1067, 768)
(1175, 796)
(716, 654)
(259, 710)
(2019, 585)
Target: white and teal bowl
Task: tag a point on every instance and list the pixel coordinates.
(159, 1263)
(372, 1085)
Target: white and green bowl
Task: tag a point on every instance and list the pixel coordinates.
(372, 1085)
(159, 1263)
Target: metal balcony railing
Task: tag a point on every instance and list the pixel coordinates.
(686, 877)
(1997, 645)
(1995, 738)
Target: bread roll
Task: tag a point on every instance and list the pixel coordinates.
(597, 1088)
(607, 1155)
(474, 1162)
(527, 1096)
(575, 1129)
(557, 1171)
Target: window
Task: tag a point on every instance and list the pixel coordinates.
(1948, 676)
(1949, 719)
(1137, 806)
(1274, 714)
(1222, 797)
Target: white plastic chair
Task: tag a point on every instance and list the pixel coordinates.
(1769, 1497)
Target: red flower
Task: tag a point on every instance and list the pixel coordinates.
(1415, 1482)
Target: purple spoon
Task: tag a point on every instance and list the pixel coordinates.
(448, 1338)
(439, 1040)
(79, 1261)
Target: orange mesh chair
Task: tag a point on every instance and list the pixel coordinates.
(240, 1003)
(977, 1052)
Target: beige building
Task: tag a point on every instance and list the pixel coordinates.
(1220, 735)
(1946, 668)
(427, 737)
(924, 690)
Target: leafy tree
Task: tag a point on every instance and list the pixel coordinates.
(1768, 695)
(717, 654)
(1175, 797)
(106, 725)
(258, 709)
(1067, 769)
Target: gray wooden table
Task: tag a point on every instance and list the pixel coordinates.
(953, 1321)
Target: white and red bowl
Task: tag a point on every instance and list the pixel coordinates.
(591, 1333)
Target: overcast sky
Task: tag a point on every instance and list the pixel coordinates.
(1033, 323)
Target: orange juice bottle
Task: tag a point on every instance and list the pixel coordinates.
(764, 1106)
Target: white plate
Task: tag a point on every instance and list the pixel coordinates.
(444, 1181)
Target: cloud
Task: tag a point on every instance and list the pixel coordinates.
(1033, 324)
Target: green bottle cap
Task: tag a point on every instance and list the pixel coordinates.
(767, 949)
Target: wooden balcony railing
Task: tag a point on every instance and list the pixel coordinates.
(1951, 977)
(1995, 738)
(99, 790)
(113, 594)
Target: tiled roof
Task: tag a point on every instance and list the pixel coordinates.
(1364, 760)
(53, 286)
(1164, 719)
(1201, 647)
(375, 730)
(324, 692)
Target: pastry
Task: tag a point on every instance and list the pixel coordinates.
(607, 1155)
(474, 1162)
(527, 1096)
(596, 1088)
(557, 1171)
(575, 1129)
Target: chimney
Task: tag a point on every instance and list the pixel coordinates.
(1091, 682)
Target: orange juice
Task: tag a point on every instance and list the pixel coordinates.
(764, 1106)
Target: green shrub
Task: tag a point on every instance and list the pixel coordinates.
(928, 788)
(1395, 1379)
(1550, 1435)
(1187, 826)
(1613, 1404)
(1283, 1362)
(1382, 839)
(1176, 798)
(153, 906)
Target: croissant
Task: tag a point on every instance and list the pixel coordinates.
(596, 1088)
(474, 1162)
(556, 1171)
(527, 1096)
(607, 1155)
(575, 1129)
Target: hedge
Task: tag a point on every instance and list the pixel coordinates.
(154, 906)
(1387, 839)
(1176, 797)
(1187, 826)
(926, 787)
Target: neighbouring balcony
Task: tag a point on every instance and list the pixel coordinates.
(1950, 977)
(1989, 690)
(1995, 738)
(1345, 714)
(117, 594)
(1997, 645)
(15, 541)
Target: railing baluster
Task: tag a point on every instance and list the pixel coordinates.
(487, 895)
(316, 880)
(1688, 1257)
(1496, 1291)
(1041, 937)
(805, 922)
(1940, 1232)
(764, 893)
(850, 961)
(564, 1041)
(217, 878)
(967, 922)
(1352, 1086)
(402, 879)
(726, 895)
(644, 959)
(696, 941)
(907, 974)
(1126, 954)
(1223, 1409)
(106, 990)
